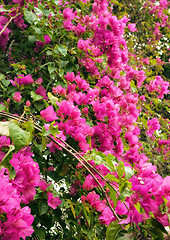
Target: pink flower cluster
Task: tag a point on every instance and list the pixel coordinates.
(112, 108)
(18, 20)
(75, 125)
(4, 37)
(15, 222)
(149, 191)
(158, 85)
(157, 10)
(27, 174)
(53, 202)
(153, 125)
(17, 97)
(99, 205)
(22, 80)
(164, 147)
(40, 44)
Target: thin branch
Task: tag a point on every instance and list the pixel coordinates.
(70, 152)
(10, 20)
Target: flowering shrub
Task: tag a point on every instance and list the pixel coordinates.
(86, 102)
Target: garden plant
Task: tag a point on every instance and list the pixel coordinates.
(84, 120)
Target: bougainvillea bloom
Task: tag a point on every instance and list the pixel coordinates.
(53, 201)
(49, 114)
(17, 97)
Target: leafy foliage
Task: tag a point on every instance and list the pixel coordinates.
(85, 87)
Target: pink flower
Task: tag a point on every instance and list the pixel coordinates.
(47, 40)
(39, 81)
(88, 183)
(142, 98)
(18, 224)
(158, 85)
(17, 97)
(4, 37)
(53, 201)
(28, 104)
(70, 76)
(131, 138)
(22, 80)
(132, 27)
(153, 125)
(42, 92)
(106, 216)
(92, 197)
(68, 25)
(18, 220)
(82, 44)
(68, 14)
(60, 90)
(121, 209)
(79, 29)
(43, 185)
(49, 114)
(166, 186)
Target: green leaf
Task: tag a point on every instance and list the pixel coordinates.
(63, 50)
(4, 10)
(71, 206)
(157, 224)
(43, 207)
(63, 63)
(29, 126)
(52, 98)
(112, 231)
(112, 194)
(12, 173)
(2, 76)
(137, 206)
(4, 81)
(110, 159)
(2, 107)
(125, 193)
(45, 132)
(157, 234)
(40, 232)
(61, 72)
(133, 87)
(112, 177)
(6, 159)
(98, 159)
(30, 17)
(35, 96)
(9, 7)
(144, 121)
(54, 129)
(44, 143)
(129, 172)
(37, 11)
(37, 30)
(32, 38)
(120, 168)
(51, 69)
(39, 105)
(19, 137)
(127, 236)
(86, 214)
